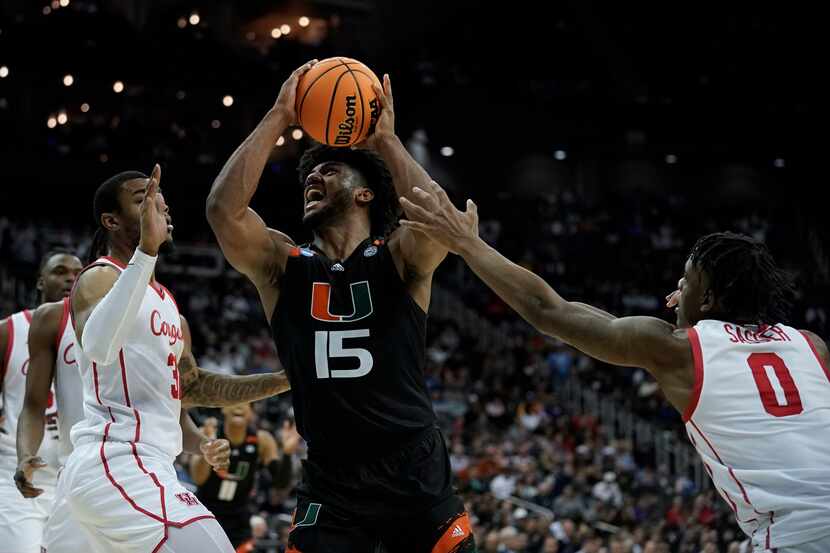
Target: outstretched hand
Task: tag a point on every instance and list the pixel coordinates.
(431, 212)
(154, 229)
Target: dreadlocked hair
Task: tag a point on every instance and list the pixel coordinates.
(744, 278)
(106, 201)
(384, 210)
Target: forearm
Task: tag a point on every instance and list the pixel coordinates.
(192, 437)
(529, 295)
(29, 431)
(210, 389)
(406, 172)
(199, 470)
(105, 330)
(236, 184)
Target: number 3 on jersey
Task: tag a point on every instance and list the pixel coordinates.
(330, 344)
(174, 365)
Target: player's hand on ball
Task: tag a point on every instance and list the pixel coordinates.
(154, 226)
(286, 101)
(217, 453)
(385, 126)
(23, 476)
(431, 212)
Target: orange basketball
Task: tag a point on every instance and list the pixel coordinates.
(335, 102)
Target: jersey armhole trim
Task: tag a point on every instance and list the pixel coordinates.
(9, 345)
(697, 354)
(815, 353)
(62, 326)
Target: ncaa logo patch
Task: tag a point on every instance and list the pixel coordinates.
(370, 251)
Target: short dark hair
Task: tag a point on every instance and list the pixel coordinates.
(744, 278)
(105, 201)
(384, 210)
(50, 254)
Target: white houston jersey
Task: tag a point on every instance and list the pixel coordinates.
(69, 391)
(14, 390)
(136, 399)
(760, 420)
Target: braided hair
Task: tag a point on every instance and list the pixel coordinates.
(744, 278)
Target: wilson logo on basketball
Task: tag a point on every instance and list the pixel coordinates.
(374, 105)
(163, 328)
(321, 303)
(346, 128)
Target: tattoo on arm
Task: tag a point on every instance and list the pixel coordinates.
(208, 389)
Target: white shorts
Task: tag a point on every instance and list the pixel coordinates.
(22, 520)
(63, 533)
(125, 496)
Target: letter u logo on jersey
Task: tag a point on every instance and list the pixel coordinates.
(361, 303)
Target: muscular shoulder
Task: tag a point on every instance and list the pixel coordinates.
(93, 284)
(47, 318)
(818, 344)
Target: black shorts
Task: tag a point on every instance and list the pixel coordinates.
(401, 503)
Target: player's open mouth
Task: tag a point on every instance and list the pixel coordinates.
(314, 194)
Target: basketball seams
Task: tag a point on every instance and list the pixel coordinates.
(331, 104)
(362, 103)
(317, 101)
(308, 89)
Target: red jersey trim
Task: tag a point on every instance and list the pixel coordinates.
(818, 357)
(124, 377)
(166, 291)
(9, 345)
(28, 315)
(697, 354)
(62, 327)
(96, 263)
(114, 261)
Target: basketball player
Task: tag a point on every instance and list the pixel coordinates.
(754, 393)
(348, 315)
(228, 493)
(22, 521)
(133, 353)
(52, 363)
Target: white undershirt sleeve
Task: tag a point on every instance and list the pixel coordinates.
(107, 327)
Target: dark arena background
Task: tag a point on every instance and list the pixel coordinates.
(599, 140)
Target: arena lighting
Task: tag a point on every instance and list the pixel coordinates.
(227, 101)
(62, 118)
(671, 159)
(276, 33)
(779, 163)
(84, 107)
(4, 72)
(51, 122)
(296, 134)
(64, 3)
(180, 95)
(560, 155)
(68, 80)
(304, 21)
(216, 123)
(118, 87)
(250, 35)
(285, 29)
(181, 23)
(447, 151)
(194, 18)
(281, 141)
(56, 4)
(47, 10)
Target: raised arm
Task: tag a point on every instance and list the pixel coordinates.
(43, 333)
(646, 342)
(5, 329)
(248, 244)
(106, 303)
(416, 254)
(201, 388)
